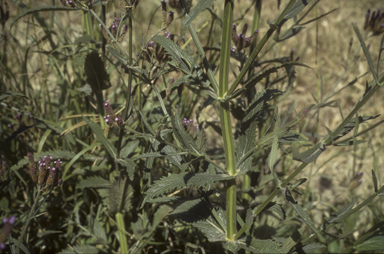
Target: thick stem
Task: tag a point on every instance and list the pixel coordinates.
(226, 119)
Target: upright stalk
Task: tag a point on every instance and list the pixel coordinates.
(226, 119)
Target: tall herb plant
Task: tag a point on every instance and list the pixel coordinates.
(142, 177)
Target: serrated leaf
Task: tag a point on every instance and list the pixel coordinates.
(201, 141)
(129, 165)
(100, 136)
(197, 213)
(41, 9)
(259, 246)
(178, 181)
(182, 80)
(300, 211)
(178, 55)
(94, 182)
(351, 124)
(249, 126)
(183, 136)
(312, 248)
(371, 244)
(275, 145)
(95, 72)
(160, 214)
(292, 240)
(120, 195)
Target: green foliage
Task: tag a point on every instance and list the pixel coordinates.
(188, 165)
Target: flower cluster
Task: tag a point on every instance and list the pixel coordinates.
(190, 126)
(3, 170)
(374, 23)
(8, 223)
(113, 29)
(356, 181)
(46, 175)
(242, 42)
(167, 16)
(111, 118)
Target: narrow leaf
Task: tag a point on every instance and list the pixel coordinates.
(100, 136)
(374, 179)
(94, 182)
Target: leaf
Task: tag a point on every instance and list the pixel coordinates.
(200, 6)
(183, 136)
(120, 196)
(94, 182)
(351, 124)
(374, 179)
(177, 54)
(84, 39)
(311, 154)
(11, 94)
(115, 53)
(249, 220)
(367, 54)
(95, 72)
(303, 215)
(312, 248)
(100, 136)
(198, 213)
(371, 244)
(129, 166)
(178, 181)
(292, 32)
(337, 216)
(83, 249)
(259, 246)
(296, 8)
(249, 126)
(160, 214)
(40, 9)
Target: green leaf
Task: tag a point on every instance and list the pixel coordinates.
(100, 136)
(177, 54)
(115, 53)
(120, 196)
(311, 154)
(183, 136)
(351, 125)
(95, 72)
(259, 246)
(337, 216)
(11, 94)
(296, 8)
(367, 54)
(292, 32)
(371, 244)
(178, 181)
(200, 6)
(300, 211)
(129, 165)
(94, 182)
(40, 9)
(312, 248)
(83, 249)
(249, 219)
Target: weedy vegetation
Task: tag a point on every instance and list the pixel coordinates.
(168, 127)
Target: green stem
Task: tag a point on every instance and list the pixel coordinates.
(32, 213)
(225, 117)
(259, 46)
(121, 228)
(130, 77)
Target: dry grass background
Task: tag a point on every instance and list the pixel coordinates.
(323, 45)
